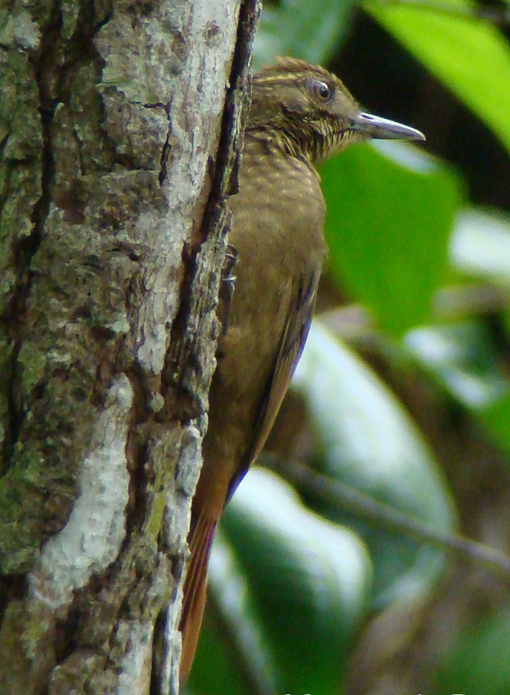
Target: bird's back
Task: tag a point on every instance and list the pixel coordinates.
(278, 233)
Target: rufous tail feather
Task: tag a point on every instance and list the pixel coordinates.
(195, 586)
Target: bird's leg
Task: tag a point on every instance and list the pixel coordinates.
(227, 286)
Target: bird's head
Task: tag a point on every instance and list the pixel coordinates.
(309, 112)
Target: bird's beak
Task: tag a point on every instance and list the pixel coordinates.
(383, 129)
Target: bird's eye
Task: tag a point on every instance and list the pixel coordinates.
(322, 90)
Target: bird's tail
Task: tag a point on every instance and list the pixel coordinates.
(195, 586)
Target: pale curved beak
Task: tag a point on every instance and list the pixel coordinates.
(384, 129)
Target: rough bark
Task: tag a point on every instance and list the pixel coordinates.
(113, 231)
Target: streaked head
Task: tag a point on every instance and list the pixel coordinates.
(311, 112)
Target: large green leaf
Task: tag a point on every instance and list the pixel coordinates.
(390, 211)
(293, 586)
(470, 56)
(303, 29)
(369, 442)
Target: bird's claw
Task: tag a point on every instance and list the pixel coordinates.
(227, 286)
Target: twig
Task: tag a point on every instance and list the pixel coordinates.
(364, 506)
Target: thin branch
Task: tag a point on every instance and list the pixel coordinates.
(378, 513)
(355, 324)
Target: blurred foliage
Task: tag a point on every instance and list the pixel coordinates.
(489, 673)
(461, 51)
(367, 440)
(403, 391)
(395, 269)
(307, 30)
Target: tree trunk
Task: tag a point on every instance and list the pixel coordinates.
(113, 232)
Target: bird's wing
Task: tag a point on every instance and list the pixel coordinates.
(293, 337)
(290, 347)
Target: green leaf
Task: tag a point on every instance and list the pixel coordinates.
(390, 211)
(301, 29)
(369, 442)
(302, 586)
(463, 359)
(470, 56)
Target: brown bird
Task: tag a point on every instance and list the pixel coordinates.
(300, 114)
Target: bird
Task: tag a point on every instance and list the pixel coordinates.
(300, 114)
